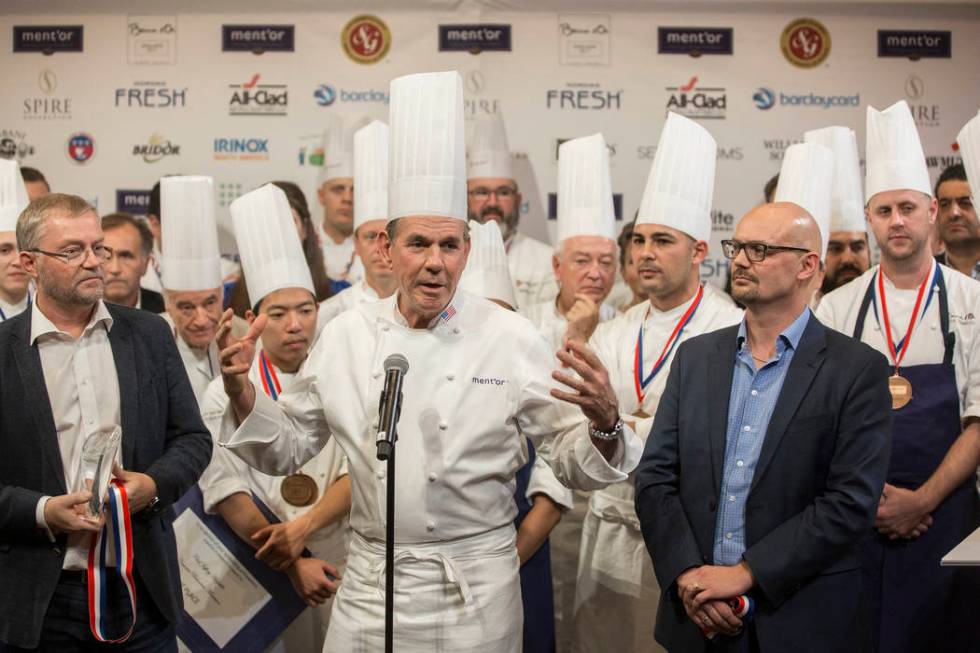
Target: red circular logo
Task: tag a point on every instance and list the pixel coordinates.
(805, 43)
(366, 39)
(81, 147)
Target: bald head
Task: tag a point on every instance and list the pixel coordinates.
(782, 223)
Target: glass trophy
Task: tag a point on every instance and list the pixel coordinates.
(98, 454)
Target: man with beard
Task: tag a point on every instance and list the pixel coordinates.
(616, 592)
(584, 262)
(959, 228)
(923, 317)
(370, 217)
(493, 195)
(14, 282)
(848, 255)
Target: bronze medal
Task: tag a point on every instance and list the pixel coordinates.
(640, 413)
(298, 490)
(901, 391)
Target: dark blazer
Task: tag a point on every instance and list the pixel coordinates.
(163, 436)
(812, 499)
(151, 301)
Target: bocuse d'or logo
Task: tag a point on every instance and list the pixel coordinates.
(366, 39)
(805, 43)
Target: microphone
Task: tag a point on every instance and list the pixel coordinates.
(396, 366)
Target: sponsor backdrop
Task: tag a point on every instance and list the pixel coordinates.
(104, 104)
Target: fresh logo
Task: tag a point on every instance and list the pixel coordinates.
(80, 148)
(584, 96)
(252, 98)
(151, 95)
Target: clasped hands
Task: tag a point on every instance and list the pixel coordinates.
(902, 513)
(706, 590)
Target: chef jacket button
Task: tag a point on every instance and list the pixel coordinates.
(385, 328)
(443, 426)
(376, 374)
(450, 376)
(432, 477)
(932, 326)
(380, 473)
(374, 425)
(431, 526)
(456, 330)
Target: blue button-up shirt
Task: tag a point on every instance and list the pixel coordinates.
(750, 405)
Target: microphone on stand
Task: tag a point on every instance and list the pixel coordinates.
(396, 366)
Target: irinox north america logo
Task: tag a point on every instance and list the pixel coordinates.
(366, 39)
(584, 96)
(241, 149)
(697, 102)
(805, 43)
(253, 98)
(48, 39)
(49, 104)
(767, 98)
(326, 94)
(151, 95)
(80, 148)
(156, 149)
(474, 38)
(257, 38)
(695, 41)
(915, 44)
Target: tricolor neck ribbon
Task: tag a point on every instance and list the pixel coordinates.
(270, 380)
(640, 382)
(898, 350)
(118, 527)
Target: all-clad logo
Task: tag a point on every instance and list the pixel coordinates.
(698, 102)
(136, 202)
(765, 99)
(258, 38)
(915, 44)
(695, 40)
(241, 149)
(553, 206)
(253, 98)
(48, 39)
(151, 95)
(584, 96)
(474, 38)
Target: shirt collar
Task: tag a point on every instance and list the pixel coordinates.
(447, 319)
(790, 336)
(41, 325)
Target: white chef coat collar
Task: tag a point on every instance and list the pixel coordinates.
(889, 284)
(41, 325)
(448, 320)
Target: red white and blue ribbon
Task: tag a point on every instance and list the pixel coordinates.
(119, 528)
(640, 382)
(898, 349)
(270, 381)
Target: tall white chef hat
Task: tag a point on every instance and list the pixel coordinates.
(486, 272)
(806, 179)
(272, 257)
(189, 234)
(427, 151)
(893, 156)
(969, 142)
(682, 179)
(370, 173)
(488, 155)
(338, 147)
(13, 194)
(847, 202)
(585, 201)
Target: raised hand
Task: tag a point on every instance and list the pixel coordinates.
(236, 354)
(593, 391)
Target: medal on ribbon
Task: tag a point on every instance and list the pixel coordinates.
(640, 382)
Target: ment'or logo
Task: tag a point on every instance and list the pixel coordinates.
(366, 39)
(805, 43)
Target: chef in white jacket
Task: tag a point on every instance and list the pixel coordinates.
(616, 594)
(370, 218)
(480, 379)
(312, 504)
(586, 258)
(14, 282)
(493, 195)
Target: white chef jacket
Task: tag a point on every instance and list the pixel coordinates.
(476, 374)
(152, 279)
(552, 324)
(358, 293)
(338, 258)
(838, 310)
(202, 366)
(529, 264)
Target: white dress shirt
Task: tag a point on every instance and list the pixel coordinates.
(83, 388)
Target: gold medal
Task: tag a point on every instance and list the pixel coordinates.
(901, 391)
(641, 414)
(298, 490)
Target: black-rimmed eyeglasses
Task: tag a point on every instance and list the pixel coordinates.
(755, 252)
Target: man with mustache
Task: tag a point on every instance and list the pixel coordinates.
(923, 317)
(959, 228)
(14, 282)
(370, 217)
(766, 458)
(479, 382)
(492, 194)
(584, 263)
(313, 502)
(616, 593)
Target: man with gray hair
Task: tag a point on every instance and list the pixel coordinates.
(74, 368)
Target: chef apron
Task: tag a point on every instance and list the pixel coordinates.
(912, 597)
(536, 590)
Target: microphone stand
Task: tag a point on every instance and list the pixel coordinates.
(386, 451)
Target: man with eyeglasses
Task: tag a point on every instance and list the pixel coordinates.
(73, 366)
(492, 194)
(14, 283)
(959, 228)
(585, 260)
(768, 452)
(923, 317)
(131, 243)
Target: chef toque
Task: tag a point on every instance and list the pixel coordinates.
(489, 153)
(370, 173)
(486, 273)
(189, 234)
(585, 201)
(846, 201)
(806, 179)
(893, 155)
(13, 194)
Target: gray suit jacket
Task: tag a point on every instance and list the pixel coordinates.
(812, 499)
(163, 436)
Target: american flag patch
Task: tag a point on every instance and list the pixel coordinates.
(448, 314)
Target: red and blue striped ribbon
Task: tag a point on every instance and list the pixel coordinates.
(270, 380)
(118, 527)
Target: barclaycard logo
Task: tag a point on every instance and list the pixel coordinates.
(764, 99)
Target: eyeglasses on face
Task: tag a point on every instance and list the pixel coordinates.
(76, 255)
(754, 251)
(482, 193)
